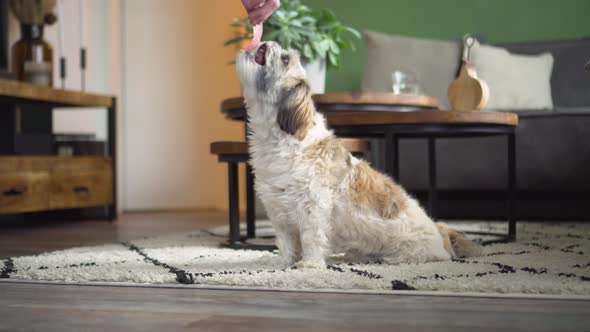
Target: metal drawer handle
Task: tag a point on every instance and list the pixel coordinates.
(15, 191)
(81, 190)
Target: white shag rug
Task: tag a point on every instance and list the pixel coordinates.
(548, 258)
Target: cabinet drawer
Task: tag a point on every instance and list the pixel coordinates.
(80, 189)
(24, 192)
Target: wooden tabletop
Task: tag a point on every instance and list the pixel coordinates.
(365, 118)
(27, 92)
(234, 108)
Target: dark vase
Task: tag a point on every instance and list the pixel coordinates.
(32, 57)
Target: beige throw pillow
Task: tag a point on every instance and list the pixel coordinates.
(515, 81)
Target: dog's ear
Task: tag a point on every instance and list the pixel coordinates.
(296, 111)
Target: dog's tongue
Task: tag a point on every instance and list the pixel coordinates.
(256, 37)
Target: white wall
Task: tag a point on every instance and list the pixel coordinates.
(166, 62)
(175, 75)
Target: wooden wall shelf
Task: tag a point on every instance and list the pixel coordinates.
(21, 92)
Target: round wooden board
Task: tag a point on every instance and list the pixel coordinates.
(376, 99)
(420, 117)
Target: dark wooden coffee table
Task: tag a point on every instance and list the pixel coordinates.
(391, 117)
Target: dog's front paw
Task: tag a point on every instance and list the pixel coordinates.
(288, 261)
(309, 264)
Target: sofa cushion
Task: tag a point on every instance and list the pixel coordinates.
(436, 62)
(570, 83)
(515, 81)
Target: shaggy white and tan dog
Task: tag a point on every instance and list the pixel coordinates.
(320, 199)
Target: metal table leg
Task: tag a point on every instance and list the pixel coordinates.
(392, 155)
(234, 211)
(250, 195)
(432, 194)
(510, 196)
(511, 199)
(112, 152)
(250, 203)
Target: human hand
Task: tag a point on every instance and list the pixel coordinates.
(260, 10)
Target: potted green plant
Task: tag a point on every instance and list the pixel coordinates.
(316, 33)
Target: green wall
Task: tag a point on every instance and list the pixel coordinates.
(497, 20)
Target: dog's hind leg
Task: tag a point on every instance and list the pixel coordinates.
(443, 229)
(418, 245)
(354, 256)
(417, 252)
(456, 243)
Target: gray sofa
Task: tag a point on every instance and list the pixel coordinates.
(553, 152)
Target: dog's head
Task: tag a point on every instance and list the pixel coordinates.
(272, 76)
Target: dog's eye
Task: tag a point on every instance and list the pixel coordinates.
(285, 59)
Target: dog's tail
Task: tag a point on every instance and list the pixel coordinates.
(456, 243)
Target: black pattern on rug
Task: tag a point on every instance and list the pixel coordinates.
(401, 285)
(187, 277)
(181, 275)
(7, 269)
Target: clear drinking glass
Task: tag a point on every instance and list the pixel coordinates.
(405, 81)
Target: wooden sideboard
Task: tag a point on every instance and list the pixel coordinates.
(32, 183)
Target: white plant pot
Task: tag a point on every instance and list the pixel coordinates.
(316, 75)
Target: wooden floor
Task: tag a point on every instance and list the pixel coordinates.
(28, 238)
(26, 307)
